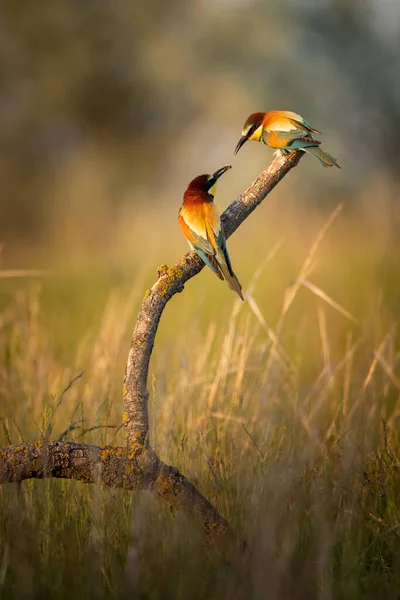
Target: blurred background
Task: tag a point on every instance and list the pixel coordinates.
(107, 110)
(275, 407)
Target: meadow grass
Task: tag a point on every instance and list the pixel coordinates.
(283, 410)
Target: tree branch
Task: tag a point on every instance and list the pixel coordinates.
(136, 466)
(120, 467)
(171, 281)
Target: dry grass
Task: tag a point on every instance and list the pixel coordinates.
(284, 410)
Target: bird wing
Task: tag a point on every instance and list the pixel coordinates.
(221, 243)
(200, 232)
(202, 228)
(298, 120)
(282, 128)
(224, 263)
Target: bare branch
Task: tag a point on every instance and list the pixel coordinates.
(171, 281)
(136, 466)
(119, 467)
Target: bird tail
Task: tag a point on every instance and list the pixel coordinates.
(210, 261)
(327, 160)
(231, 279)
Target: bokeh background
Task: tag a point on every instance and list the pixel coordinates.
(107, 111)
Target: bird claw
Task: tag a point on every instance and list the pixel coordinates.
(281, 152)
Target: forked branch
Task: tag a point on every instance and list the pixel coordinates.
(136, 466)
(171, 280)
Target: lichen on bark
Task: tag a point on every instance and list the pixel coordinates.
(136, 466)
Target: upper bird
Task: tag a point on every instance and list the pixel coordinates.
(201, 225)
(285, 131)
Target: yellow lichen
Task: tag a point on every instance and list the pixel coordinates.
(134, 449)
(131, 454)
(141, 340)
(162, 286)
(161, 270)
(147, 294)
(175, 272)
(163, 485)
(167, 277)
(110, 452)
(125, 417)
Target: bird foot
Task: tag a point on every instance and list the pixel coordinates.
(281, 152)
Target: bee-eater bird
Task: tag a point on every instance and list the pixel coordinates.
(285, 131)
(201, 225)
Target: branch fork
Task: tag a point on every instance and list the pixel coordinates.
(137, 466)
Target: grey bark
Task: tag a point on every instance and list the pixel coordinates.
(136, 466)
(171, 280)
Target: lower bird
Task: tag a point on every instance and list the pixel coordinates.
(285, 131)
(201, 225)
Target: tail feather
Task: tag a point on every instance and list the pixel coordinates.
(326, 159)
(210, 261)
(234, 284)
(231, 279)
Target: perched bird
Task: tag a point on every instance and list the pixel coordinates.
(285, 131)
(201, 225)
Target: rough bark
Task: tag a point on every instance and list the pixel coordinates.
(171, 280)
(131, 468)
(136, 466)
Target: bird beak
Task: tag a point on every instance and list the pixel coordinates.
(221, 171)
(240, 143)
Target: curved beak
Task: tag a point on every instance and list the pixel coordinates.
(221, 171)
(240, 143)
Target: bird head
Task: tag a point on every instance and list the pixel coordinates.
(252, 129)
(207, 183)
